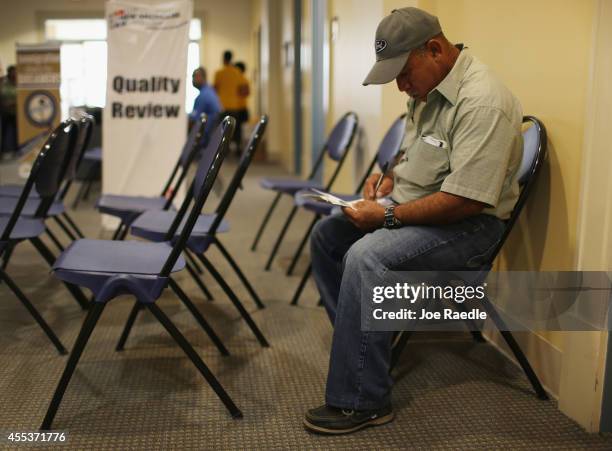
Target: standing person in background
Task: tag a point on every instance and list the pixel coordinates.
(8, 113)
(206, 102)
(243, 93)
(227, 84)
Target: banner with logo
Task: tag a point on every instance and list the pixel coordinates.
(144, 122)
(38, 94)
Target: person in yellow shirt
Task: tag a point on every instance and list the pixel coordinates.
(227, 83)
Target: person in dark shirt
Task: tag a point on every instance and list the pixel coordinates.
(8, 112)
(206, 102)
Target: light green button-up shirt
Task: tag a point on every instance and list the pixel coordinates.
(466, 141)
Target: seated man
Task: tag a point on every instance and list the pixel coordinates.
(453, 187)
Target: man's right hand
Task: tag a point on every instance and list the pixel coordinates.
(384, 189)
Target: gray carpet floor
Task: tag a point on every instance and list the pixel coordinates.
(451, 393)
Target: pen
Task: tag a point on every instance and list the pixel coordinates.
(380, 179)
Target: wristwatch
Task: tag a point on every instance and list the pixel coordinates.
(391, 222)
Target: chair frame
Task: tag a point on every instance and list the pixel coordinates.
(492, 313)
(68, 128)
(109, 291)
(306, 275)
(313, 173)
(181, 168)
(221, 210)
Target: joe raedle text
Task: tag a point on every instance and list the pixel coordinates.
(399, 302)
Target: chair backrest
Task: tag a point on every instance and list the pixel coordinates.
(243, 165)
(534, 154)
(45, 174)
(391, 142)
(53, 169)
(208, 169)
(188, 153)
(85, 130)
(338, 143)
(341, 136)
(387, 149)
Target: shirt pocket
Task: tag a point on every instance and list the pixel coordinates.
(426, 165)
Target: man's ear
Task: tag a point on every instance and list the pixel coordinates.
(435, 47)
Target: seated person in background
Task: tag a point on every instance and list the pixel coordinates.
(454, 186)
(206, 102)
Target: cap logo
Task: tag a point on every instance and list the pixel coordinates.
(380, 45)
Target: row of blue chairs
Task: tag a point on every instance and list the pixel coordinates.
(110, 268)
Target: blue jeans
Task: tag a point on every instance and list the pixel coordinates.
(344, 260)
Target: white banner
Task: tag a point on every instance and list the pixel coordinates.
(144, 124)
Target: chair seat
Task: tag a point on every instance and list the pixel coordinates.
(132, 266)
(25, 228)
(153, 225)
(289, 186)
(128, 208)
(7, 205)
(321, 208)
(15, 191)
(94, 154)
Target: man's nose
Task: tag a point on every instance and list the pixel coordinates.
(402, 84)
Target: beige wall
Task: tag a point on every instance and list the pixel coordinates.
(352, 55)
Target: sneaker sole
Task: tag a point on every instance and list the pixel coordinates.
(375, 422)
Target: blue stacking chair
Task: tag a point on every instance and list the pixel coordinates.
(39, 207)
(336, 146)
(142, 269)
(387, 151)
(534, 154)
(153, 226)
(45, 177)
(128, 208)
(57, 210)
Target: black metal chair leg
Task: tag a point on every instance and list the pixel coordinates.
(76, 292)
(118, 231)
(65, 229)
(86, 329)
(396, 351)
(73, 224)
(300, 248)
(265, 221)
(193, 261)
(124, 232)
(128, 326)
(515, 348)
(301, 286)
(471, 324)
(86, 193)
(240, 274)
(198, 316)
(260, 337)
(35, 314)
(197, 361)
(194, 275)
(280, 238)
(8, 253)
(54, 239)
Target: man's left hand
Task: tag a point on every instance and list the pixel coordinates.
(368, 215)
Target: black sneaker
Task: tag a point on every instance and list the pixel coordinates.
(332, 420)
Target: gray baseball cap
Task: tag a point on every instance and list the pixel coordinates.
(397, 34)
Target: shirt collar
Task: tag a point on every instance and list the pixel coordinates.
(449, 87)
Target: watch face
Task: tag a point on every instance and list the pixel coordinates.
(40, 108)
